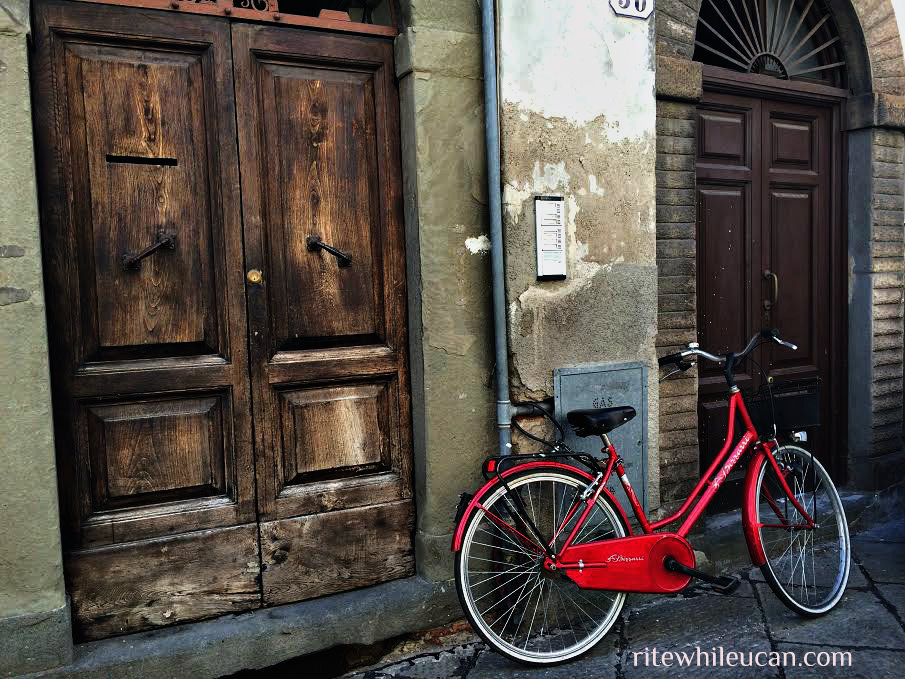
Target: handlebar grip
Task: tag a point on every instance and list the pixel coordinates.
(773, 334)
(670, 359)
(676, 360)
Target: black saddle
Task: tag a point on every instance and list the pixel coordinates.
(599, 421)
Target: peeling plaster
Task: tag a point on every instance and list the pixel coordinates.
(578, 119)
(608, 61)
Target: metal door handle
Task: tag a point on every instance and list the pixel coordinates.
(315, 243)
(770, 303)
(132, 261)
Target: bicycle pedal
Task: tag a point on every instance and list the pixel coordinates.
(725, 584)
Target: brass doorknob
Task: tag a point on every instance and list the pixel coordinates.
(255, 277)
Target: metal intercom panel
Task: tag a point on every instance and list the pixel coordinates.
(550, 234)
(606, 385)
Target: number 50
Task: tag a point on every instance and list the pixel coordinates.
(640, 9)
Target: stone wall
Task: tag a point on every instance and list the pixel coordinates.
(34, 618)
(877, 169)
(884, 45)
(676, 298)
(438, 62)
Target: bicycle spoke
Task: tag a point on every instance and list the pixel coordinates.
(500, 533)
(505, 549)
(568, 617)
(511, 610)
(497, 574)
(492, 606)
(513, 577)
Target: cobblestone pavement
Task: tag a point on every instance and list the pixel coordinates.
(869, 623)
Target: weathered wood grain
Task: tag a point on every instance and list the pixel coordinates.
(324, 553)
(318, 119)
(149, 368)
(142, 585)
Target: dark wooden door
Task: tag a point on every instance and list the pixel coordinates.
(163, 369)
(766, 242)
(136, 129)
(319, 148)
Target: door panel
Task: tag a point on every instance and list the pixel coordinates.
(140, 177)
(798, 231)
(318, 142)
(792, 259)
(334, 428)
(326, 169)
(728, 248)
(724, 293)
(149, 363)
(305, 558)
(171, 448)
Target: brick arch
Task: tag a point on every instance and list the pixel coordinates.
(868, 29)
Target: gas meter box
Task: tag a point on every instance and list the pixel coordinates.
(606, 385)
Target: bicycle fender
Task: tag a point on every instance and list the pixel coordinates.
(480, 494)
(749, 511)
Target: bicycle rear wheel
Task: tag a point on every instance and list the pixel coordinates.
(806, 568)
(518, 607)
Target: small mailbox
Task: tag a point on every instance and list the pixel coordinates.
(606, 385)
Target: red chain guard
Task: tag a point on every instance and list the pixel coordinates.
(633, 564)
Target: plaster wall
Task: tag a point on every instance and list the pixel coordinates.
(578, 118)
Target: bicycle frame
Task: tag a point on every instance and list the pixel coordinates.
(691, 509)
(711, 478)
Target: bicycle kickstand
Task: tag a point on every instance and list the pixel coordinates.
(722, 584)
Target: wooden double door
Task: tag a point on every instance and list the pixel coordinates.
(769, 248)
(231, 400)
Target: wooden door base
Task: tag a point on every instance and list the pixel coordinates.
(319, 554)
(138, 586)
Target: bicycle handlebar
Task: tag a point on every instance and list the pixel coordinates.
(679, 358)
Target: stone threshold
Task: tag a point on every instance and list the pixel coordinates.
(264, 637)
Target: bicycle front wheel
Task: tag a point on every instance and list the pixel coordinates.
(807, 568)
(519, 608)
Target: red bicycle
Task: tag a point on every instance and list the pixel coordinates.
(545, 553)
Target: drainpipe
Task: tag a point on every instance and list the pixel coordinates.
(492, 133)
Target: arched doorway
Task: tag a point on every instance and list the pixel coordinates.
(769, 233)
(842, 57)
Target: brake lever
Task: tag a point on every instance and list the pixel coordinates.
(787, 345)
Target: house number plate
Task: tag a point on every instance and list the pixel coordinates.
(638, 9)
